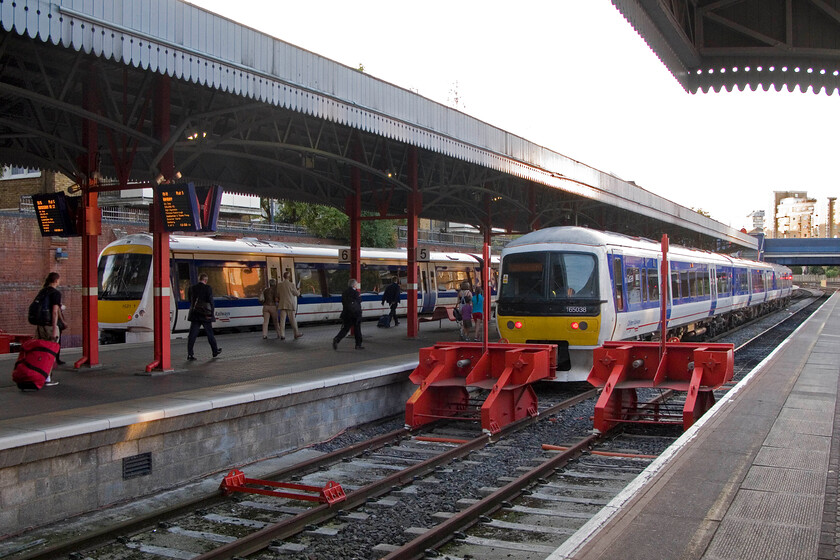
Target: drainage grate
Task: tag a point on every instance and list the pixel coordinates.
(137, 465)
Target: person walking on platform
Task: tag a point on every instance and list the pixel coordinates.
(351, 315)
(478, 312)
(287, 294)
(392, 297)
(202, 314)
(465, 307)
(270, 299)
(52, 330)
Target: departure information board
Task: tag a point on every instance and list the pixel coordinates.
(178, 207)
(54, 214)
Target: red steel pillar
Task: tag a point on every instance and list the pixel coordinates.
(160, 238)
(414, 203)
(354, 212)
(485, 285)
(91, 222)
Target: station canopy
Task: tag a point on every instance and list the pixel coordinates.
(738, 44)
(259, 116)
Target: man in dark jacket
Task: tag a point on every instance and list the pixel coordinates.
(392, 296)
(202, 314)
(351, 315)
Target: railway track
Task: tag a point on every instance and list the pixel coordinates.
(454, 492)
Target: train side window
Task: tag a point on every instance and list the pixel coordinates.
(653, 284)
(618, 285)
(685, 284)
(705, 283)
(309, 281)
(338, 276)
(633, 279)
(675, 284)
(184, 280)
(449, 278)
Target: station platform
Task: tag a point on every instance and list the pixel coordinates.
(756, 477)
(112, 433)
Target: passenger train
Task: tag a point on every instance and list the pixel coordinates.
(239, 269)
(577, 287)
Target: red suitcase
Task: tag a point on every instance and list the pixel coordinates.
(34, 364)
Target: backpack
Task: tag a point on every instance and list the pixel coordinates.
(39, 310)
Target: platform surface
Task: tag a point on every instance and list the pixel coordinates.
(119, 393)
(758, 480)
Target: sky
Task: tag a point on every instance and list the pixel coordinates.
(575, 77)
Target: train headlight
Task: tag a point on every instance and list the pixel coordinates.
(575, 325)
(514, 325)
(141, 313)
(583, 325)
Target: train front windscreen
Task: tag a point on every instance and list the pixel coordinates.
(123, 276)
(547, 283)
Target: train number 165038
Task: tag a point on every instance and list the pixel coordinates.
(576, 309)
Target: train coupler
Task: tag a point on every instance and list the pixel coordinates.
(236, 481)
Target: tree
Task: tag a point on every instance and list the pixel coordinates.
(332, 223)
(701, 212)
(832, 272)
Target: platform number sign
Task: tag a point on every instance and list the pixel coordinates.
(344, 256)
(423, 255)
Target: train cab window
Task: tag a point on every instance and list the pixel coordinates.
(572, 275)
(633, 280)
(123, 276)
(653, 284)
(523, 276)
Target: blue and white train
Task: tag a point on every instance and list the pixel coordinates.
(578, 287)
(239, 269)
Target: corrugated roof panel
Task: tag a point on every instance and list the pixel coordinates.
(200, 47)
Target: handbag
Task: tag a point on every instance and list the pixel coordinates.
(202, 309)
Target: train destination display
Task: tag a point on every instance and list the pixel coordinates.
(185, 207)
(55, 214)
(178, 207)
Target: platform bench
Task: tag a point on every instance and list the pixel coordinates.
(439, 314)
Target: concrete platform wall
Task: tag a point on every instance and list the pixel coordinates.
(53, 480)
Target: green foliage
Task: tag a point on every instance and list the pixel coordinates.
(816, 270)
(796, 269)
(332, 223)
(832, 272)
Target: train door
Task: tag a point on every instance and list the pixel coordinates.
(287, 264)
(182, 273)
(428, 288)
(272, 265)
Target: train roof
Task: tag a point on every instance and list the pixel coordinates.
(251, 245)
(574, 235)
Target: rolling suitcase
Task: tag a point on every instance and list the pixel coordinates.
(34, 364)
(384, 322)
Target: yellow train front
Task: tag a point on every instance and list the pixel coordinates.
(553, 292)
